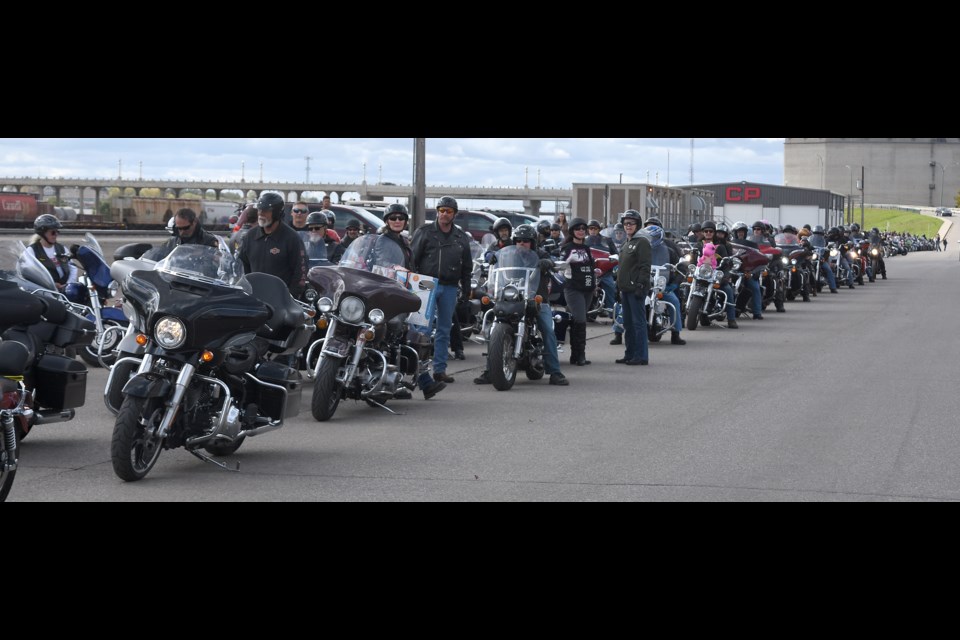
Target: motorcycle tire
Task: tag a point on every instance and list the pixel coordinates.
(653, 335)
(89, 353)
(693, 313)
(326, 391)
(500, 361)
(132, 454)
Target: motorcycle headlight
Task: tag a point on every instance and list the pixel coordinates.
(170, 332)
(793, 261)
(853, 254)
(376, 316)
(736, 264)
(511, 293)
(705, 271)
(833, 252)
(351, 309)
(687, 258)
(874, 252)
(310, 295)
(785, 260)
(325, 305)
(661, 282)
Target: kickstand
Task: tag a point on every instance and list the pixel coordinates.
(384, 407)
(212, 461)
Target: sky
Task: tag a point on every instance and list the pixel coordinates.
(494, 162)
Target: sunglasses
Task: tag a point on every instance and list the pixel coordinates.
(301, 211)
(524, 241)
(318, 228)
(184, 228)
(708, 230)
(54, 231)
(396, 218)
(445, 210)
(353, 229)
(579, 229)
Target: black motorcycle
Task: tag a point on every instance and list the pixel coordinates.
(515, 341)
(369, 348)
(205, 380)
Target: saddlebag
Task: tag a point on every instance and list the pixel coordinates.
(271, 401)
(61, 383)
(74, 331)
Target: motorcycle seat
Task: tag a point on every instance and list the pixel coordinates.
(14, 357)
(31, 345)
(285, 313)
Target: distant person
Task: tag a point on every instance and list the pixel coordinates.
(248, 220)
(351, 233)
(299, 214)
(51, 254)
(944, 243)
(936, 241)
(325, 203)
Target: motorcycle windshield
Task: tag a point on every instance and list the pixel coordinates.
(90, 242)
(29, 268)
(316, 252)
(517, 266)
(90, 256)
(212, 265)
(375, 253)
(786, 238)
(476, 250)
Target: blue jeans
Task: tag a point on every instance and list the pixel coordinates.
(446, 304)
(635, 326)
(609, 286)
(551, 362)
(731, 302)
(670, 296)
(756, 298)
(845, 262)
(828, 274)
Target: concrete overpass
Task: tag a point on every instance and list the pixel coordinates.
(532, 198)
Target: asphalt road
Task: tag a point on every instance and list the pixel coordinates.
(851, 397)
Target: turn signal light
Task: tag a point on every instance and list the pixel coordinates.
(485, 300)
(538, 299)
(141, 339)
(689, 278)
(368, 335)
(322, 323)
(765, 274)
(659, 295)
(206, 356)
(793, 269)
(716, 285)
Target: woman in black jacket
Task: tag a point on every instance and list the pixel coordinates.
(579, 288)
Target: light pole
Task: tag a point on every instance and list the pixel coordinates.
(850, 196)
(820, 158)
(943, 171)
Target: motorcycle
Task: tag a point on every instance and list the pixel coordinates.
(705, 301)
(515, 341)
(796, 266)
(369, 349)
(204, 380)
(55, 384)
(661, 315)
(94, 288)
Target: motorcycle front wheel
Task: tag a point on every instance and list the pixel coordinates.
(132, 451)
(326, 391)
(502, 364)
(693, 313)
(89, 353)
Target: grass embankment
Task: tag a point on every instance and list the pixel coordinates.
(900, 221)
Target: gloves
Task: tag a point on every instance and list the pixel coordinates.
(546, 264)
(490, 257)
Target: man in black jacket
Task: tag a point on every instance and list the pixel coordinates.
(273, 247)
(442, 250)
(189, 231)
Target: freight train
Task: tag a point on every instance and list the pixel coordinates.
(19, 210)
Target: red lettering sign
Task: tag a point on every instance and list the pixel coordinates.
(742, 194)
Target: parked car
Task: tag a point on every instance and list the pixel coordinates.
(516, 218)
(369, 221)
(477, 223)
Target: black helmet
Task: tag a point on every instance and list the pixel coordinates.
(46, 222)
(875, 230)
(739, 225)
(758, 225)
(353, 223)
(273, 202)
(526, 232)
(556, 227)
(594, 223)
(789, 229)
(818, 229)
(396, 208)
(542, 227)
(854, 227)
(331, 217)
(722, 228)
(807, 227)
(576, 222)
(316, 218)
(631, 214)
(447, 201)
(694, 228)
(501, 222)
(654, 220)
(709, 224)
(842, 229)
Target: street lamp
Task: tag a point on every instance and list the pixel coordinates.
(850, 194)
(943, 171)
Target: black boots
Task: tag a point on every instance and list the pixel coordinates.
(578, 344)
(617, 338)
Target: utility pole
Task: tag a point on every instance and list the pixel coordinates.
(418, 205)
(691, 160)
(862, 198)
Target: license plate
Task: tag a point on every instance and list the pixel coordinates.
(336, 346)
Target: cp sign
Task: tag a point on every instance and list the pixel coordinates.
(742, 194)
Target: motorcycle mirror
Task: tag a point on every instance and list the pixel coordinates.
(614, 258)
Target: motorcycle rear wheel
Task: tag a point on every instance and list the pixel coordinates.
(326, 391)
(132, 452)
(501, 363)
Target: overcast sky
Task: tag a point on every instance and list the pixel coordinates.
(494, 162)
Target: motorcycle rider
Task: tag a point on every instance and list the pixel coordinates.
(526, 236)
(660, 254)
(316, 230)
(502, 229)
(442, 250)
(607, 283)
(51, 254)
(545, 239)
(352, 232)
(835, 234)
(633, 277)
(694, 233)
(273, 247)
(248, 220)
(721, 236)
(579, 288)
(816, 239)
(751, 281)
(189, 231)
(876, 240)
(762, 234)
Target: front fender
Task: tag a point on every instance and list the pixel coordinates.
(147, 385)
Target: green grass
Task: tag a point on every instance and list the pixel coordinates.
(900, 221)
